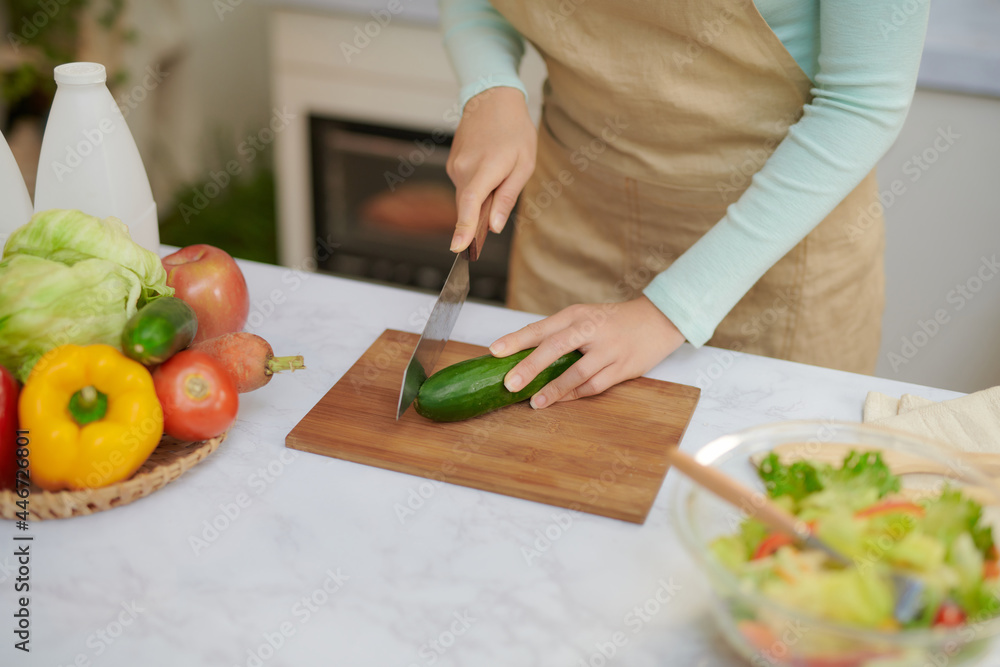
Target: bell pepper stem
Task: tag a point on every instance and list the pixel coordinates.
(279, 364)
(88, 405)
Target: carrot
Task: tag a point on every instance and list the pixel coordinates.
(771, 544)
(890, 507)
(248, 358)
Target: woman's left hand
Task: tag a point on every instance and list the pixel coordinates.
(619, 341)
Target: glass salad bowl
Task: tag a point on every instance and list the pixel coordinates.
(776, 630)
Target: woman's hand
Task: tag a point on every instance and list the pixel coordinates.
(493, 150)
(619, 341)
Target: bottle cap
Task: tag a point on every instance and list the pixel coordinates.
(81, 73)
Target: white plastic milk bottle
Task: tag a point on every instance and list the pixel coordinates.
(15, 205)
(89, 160)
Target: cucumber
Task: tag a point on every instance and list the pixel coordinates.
(475, 386)
(159, 330)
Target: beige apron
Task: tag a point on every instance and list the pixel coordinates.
(656, 115)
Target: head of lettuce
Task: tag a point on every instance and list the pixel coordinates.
(68, 277)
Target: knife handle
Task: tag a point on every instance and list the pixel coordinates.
(476, 247)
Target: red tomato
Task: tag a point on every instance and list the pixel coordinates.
(890, 507)
(198, 396)
(771, 544)
(949, 615)
(758, 635)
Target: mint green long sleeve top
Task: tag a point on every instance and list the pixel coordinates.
(862, 57)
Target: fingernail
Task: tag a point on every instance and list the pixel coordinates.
(538, 401)
(497, 347)
(513, 383)
(457, 242)
(497, 222)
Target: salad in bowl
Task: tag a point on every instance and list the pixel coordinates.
(780, 603)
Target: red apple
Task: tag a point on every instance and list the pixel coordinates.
(208, 280)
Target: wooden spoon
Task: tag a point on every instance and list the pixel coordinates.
(754, 503)
(757, 504)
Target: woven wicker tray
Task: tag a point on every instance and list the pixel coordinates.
(169, 460)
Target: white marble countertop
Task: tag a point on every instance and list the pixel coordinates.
(961, 54)
(309, 554)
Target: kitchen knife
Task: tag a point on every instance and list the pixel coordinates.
(443, 315)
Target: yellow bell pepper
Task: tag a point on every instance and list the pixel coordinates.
(92, 416)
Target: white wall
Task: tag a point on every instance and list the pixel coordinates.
(938, 232)
(214, 92)
(218, 85)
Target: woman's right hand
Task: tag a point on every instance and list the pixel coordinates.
(493, 151)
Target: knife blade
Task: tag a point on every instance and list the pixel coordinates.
(443, 315)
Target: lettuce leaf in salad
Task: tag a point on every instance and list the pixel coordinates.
(752, 533)
(862, 470)
(852, 596)
(797, 480)
(729, 551)
(981, 601)
(733, 551)
(862, 479)
(952, 514)
(838, 528)
(920, 552)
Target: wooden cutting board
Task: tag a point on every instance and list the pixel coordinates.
(604, 454)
